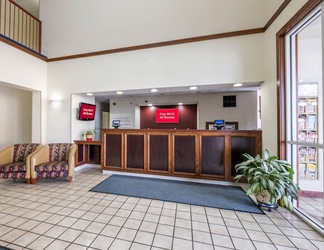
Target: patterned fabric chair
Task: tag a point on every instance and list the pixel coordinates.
(53, 160)
(15, 160)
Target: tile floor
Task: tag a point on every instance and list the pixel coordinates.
(312, 207)
(54, 214)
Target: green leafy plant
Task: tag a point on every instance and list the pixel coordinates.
(270, 174)
(89, 132)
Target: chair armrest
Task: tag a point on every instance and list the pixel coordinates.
(40, 156)
(6, 155)
(28, 161)
(71, 160)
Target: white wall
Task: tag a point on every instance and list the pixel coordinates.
(209, 108)
(269, 87)
(87, 26)
(237, 59)
(15, 113)
(21, 71)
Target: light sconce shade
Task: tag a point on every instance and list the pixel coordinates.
(56, 103)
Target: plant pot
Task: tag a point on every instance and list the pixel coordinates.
(263, 200)
(89, 137)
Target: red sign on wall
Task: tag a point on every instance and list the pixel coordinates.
(167, 116)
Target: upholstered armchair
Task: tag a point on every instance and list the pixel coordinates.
(53, 160)
(15, 160)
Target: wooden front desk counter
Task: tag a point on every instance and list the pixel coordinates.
(207, 154)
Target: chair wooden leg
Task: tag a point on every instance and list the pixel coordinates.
(33, 181)
(70, 178)
(28, 181)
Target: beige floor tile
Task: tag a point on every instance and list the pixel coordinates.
(126, 234)
(203, 237)
(258, 236)
(165, 230)
(110, 230)
(263, 246)
(199, 217)
(58, 244)
(162, 241)
(303, 243)
(55, 231)
(85, 239)
(12, 235)
(41, 228)
(148, 227)
(202, 246)
(151, 218)
(144, 238)
(70, 235)
(133, 224)
(102, 242)
(90, 216)
(237, 232)
(40, 243)
(74, 246)
(181, 244)
(168, 212)
(218, 229)
(243, 244)
(280, 240)
(103, 218)
(183, 233)
(95, 227)
(233, 223)
(81, 224)
(120, 244)
(154, 210)
(200, 226)
(183, 223)
(123, 213)
(137, 215)
(4, 230)
(167, 220)
(222, 241)
(17, 222)
(251, 225)
(183, 215)
(117, 221)
(54, 219)
(137, 246)
(26, 239)
(67, 222)
(215, 220)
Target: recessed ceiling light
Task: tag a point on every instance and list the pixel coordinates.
(193, 87)
(237, 85)
(119, 92)
(89, 94)
(150, 104)
(180, 103)
(153, 90)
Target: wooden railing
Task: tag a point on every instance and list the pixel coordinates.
(19, 25)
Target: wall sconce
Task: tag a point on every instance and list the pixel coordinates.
(56, 103)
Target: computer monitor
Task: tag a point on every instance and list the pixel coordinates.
(116, 123)
(219, 124)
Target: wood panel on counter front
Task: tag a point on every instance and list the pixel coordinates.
(207, 154)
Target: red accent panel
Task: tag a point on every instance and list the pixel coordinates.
(167, 115)
(187, 117)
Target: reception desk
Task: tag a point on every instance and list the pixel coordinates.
(206, 154)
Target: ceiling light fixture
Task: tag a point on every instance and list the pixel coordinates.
(180, 103)
(89, 94)
(237, 85)
(153, 90)
(150, 104)
(193, 88)
(119, 92)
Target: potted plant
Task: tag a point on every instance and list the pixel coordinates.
(269, 178)
(89, 134)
